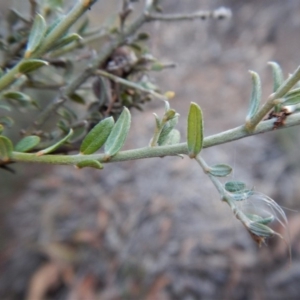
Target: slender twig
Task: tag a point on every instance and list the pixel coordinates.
(130, 84)
(147, 152)
(219, 13)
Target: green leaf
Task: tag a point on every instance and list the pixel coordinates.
(194, 130)
(220, 170)
(235, 186)
(5, 107)
(55, 3)
(241, 195)
(27, 143)
(6, 148)
(90, 164)
(261, 220)
(278, 78)
(171, 139)
(77, 98)
(7, 121)
(118, 134)
(292, 98)
(79, 132)
(83, 26)
(168, 127)
(67, 113)
(260, 230)
(255, 95)
(36, 35)
(1, 128)
(143, 36)
(56, 145)
(97, 136)
(66, 40)
(18, 96)
(31, 65)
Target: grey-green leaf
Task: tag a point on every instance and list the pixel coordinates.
(95, 139)
(18, 96)
(36, 35)
(261, 220)
(77, 98)
(7, 121)
(241, 195)
(194, 130)
(171, 139)
(27, 143)
(118, 134)
(235, 186)
(278, 78)
(90, 164)
(56, 145)
(66, 40)
(220, 170)
(255, 95)
(31, 65)
(6, 148)
(292, 98)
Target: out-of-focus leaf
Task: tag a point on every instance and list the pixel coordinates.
(31, 65)
(6, 148)
(66, 40)
(235, 186)
(7, 121)
(67, 114)
(292, 98)
(36, 35)
(77, 98)
(220, 170)
(27, 143)
(90, 164)
(17, 96)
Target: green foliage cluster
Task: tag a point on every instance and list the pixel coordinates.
(45, 52)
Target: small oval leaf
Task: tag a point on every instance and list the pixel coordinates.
(97, 136)
(27, 143)
(171, 139)
(36, 35)
(235, 186)
(255, 95)
(90, 164)
(278, 78)
(241, 195)
(18, 96)
(77, 98)
(119, 133)
(31, 65)
(56, 145)
(220, 170)
(68, 39)
(194, 130)
(6, 148)
(7, 121)
(261, 220)
(292, 98)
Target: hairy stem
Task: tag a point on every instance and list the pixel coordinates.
(148, 152)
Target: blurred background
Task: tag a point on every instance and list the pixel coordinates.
(156, 228)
